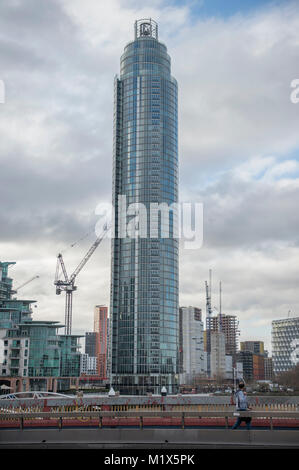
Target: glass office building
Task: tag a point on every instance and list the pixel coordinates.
(144, 284)
(285, 344)
(12, 310)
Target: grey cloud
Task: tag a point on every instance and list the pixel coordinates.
(249, 214)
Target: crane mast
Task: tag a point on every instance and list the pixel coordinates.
(208, 321)
(68, 283)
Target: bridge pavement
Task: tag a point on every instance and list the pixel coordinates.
(147, 438)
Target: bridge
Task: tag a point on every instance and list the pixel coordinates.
(144, 429)
(32, 395)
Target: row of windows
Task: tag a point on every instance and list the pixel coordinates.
(149, 170)
(147, 142)
(141, 60)
(159, 71)
(148, 81)
(144, 44)
(148, 190)
(149, 159)
(132, 125)
(145, 147)
(146, 197)
(147, 67)
(130, 253)
(149, 117)
(148, 300)
(155, 332)
(167, 162)
(144, 183)
(135, 159)
(148, 136)
(147, 150)
(145, 54)
(167, 122)
(147, 106)
(147, 94)
(170, 327)
(150, 196)
(145, 84)
(154, 315)
(125, 259)
(147, 98)
(144, 246)
(145, 329)
(140, 157)
(148, 182)
(133, 94)
(159, 269)
(150, 297)
(148, 185)
(133, 113)
(147, 258)
(133, 133)
(145, 343)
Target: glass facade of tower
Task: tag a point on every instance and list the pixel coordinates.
(144, 285)
(285, 344)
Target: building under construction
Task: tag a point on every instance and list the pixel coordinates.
(229, 325)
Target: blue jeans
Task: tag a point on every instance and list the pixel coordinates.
(239, 421)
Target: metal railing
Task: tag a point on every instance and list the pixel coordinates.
(142, 414)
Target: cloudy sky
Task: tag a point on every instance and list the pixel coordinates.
(238, 147)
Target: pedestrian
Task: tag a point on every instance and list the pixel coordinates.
(242, 405)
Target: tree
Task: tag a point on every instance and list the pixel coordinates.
(289, 378)
(263, 387)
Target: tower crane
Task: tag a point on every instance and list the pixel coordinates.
(68, 283)
(25, 284)
(208, 320)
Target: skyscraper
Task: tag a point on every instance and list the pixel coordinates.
(144, 284)
(90, 343)
(101, 329)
